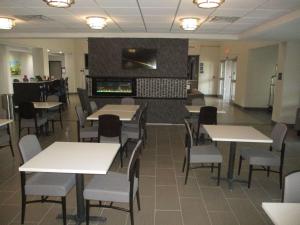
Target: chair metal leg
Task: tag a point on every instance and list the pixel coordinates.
(64, 210)
(240, 165)
(87, 212)
(184, 161)
(52, 125)
(23, 209)
(280, 178)
(268, 171)
(219, 173)
(250, 175)
(11, 148)
(138, 199)
(121, 156)
(212, 167)
(187, 173)
(131, 212)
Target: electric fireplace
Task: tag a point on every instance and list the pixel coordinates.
(114, 87)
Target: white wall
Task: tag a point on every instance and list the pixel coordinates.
(261, 67)
(25, 60)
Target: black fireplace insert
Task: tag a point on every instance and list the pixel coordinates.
(114, 87)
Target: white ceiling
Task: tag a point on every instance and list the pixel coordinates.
(146, 16)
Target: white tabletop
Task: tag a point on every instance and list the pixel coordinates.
(73, 157)
(236, 134)
(112, 107)
(196, 109)
(283, 213)
(124, 115)
(46, 105)
(4, 122)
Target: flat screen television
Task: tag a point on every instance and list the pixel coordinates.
(139, 58)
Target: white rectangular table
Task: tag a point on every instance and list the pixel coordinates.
(197, 108)
(115, 107)
(46, 105)
(74, 157)
(125, 112)
(234, 134)
(4, 122)
(283, 213)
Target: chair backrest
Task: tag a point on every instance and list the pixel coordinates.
(81, 116)
(84, 100)
(27, 110)
(109, 126)
(207, 115)
(198, 101)
(52, 98)
(133, 166)
(278, 135)
(127, 101)
(188, 137)
(94, 106)
(29, 147)
(143, 119)
(3, 113)
(291, 189)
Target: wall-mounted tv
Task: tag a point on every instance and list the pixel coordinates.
(139, 58)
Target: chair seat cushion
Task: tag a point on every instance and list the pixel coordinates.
(30, 122)
(89, 132)
(124, 139)
(131, 132)
(205, 154)
(131, 124)
(49, 184)
(260, 157)
(112, 187)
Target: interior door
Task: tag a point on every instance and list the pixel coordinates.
(55, 69)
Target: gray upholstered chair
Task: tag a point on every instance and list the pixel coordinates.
(94, 106)
(137, 129)
(291, 188)
(29, 118)
(83, 131)
(5, 135)
(265, 158)
(54, 114)
(127, 101)
(110, 131)
(115, 187)
(42, 184)
(200, 154)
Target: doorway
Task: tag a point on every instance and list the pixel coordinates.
(193, 67)
(55, 69)
(227, 80)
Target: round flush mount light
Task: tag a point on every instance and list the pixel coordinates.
(6, 23)
(96, 22)
(60, 3)
(208, 4)
(189, 24)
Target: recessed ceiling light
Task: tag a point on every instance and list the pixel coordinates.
(6, 23)
(60, 52)
(96, 22)
(48, 50)
(189, 23)
(208, 4)
(60, 3)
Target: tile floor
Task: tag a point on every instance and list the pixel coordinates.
(164, 197)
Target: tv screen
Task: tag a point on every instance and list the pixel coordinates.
(139, 58)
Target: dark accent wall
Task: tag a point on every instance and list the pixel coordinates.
(105, 57)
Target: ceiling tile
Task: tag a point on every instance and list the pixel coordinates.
(242, 4)
(158, 11)
(93, 11)
(159, 3)
(270, 13)
(122, 11)
(281, 4)
(117, 3)
(49, 11)
(231, 12)
(151, 19)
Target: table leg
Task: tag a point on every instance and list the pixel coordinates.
(79, 197)
(231, 164)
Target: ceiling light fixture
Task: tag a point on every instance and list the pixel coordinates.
(208, 4)
(96, 22)
(6, 23)
(60, 3)
(189, 23)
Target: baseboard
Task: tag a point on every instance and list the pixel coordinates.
(250, 108)
(215, 96)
